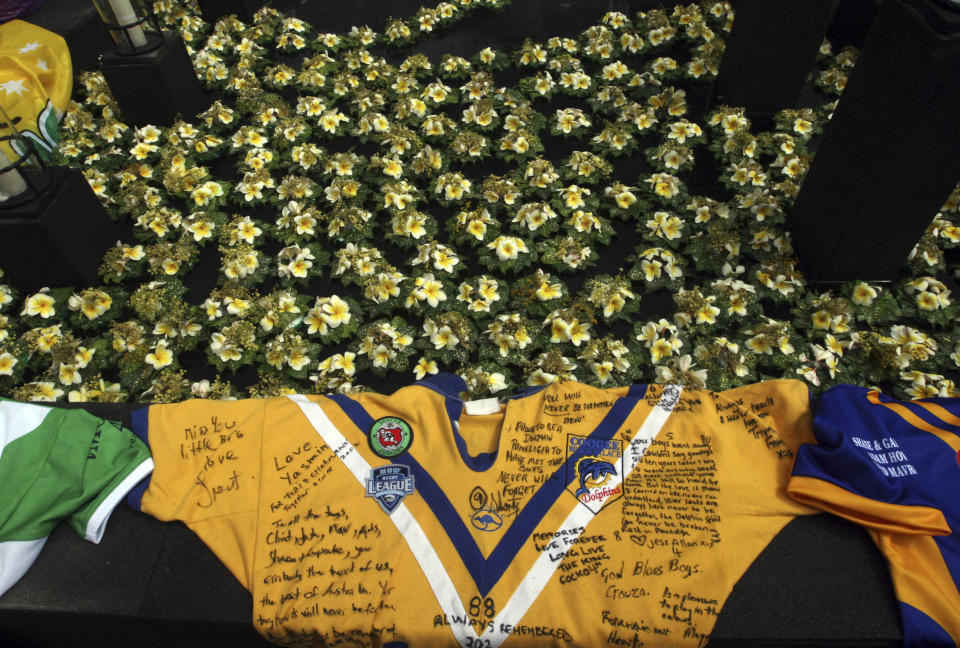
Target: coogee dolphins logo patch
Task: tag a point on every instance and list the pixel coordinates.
(595, 475)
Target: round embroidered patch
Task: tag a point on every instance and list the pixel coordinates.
(390, 436)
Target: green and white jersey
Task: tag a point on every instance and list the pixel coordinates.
(58, 464)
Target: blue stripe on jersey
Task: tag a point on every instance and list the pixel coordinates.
(448, 517)
(139, 422)
(431, 492)
(551, 490)
(486, 572)
(920, 630)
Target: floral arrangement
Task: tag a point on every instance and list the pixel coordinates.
(350, 210)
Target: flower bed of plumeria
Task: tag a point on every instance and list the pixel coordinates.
(349, 214)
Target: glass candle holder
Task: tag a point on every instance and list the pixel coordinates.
(23, 174)
(132, 25)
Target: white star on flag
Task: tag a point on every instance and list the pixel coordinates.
(43, 65)
(29, 47)
(13, 86)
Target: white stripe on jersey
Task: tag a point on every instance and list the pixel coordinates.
(543, 568)
(443, 588)
(16, 556)
(19, 419)
(97, 524)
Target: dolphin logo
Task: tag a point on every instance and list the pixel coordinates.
(593, 473)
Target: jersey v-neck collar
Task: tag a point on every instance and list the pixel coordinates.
(486, 571)
(450, 386)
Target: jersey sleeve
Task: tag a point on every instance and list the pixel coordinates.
(61, 464)
(206, 456)
(862, 466)
(58, 464)
(115, 462)
(207, 473)
(760, 428)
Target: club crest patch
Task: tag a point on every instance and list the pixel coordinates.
(599, 462)
(389, 437)
(389, 485)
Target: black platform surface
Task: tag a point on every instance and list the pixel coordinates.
(821, 582)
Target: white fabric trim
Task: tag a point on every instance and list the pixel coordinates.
(16, 557)
(482, 406)
(651, 426)
(543, 568)
(97, 523)
(536, 579)
(441, 584)
(19, 419)
(439, 580)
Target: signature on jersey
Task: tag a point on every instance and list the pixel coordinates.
(490, 508)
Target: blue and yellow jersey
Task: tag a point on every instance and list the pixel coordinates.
(892, 466)
(567, 515)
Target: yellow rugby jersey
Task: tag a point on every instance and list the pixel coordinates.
(566, 515)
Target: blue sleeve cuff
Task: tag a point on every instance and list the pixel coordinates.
(139, 419)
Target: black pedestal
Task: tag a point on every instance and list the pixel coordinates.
(156, 87)
(79, 25)
(211, 10)
(769, 54)
(58, 239)
(851, 23)
(888, 158)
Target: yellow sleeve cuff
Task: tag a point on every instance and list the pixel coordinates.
(881, 516)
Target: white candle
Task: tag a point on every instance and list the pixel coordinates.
(11, 182)
(125, 15)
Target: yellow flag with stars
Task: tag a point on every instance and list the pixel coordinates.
(36, 79)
